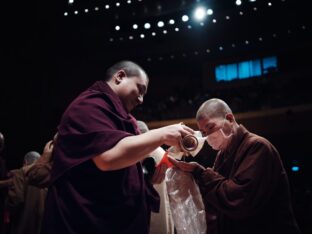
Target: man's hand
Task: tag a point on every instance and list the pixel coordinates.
(46, 155)
(185, 166)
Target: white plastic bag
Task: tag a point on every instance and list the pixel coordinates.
(186, 204)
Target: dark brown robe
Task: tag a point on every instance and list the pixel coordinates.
(82, 198)
(247, 189)
(25, 204)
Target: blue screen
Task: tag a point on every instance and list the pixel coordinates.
(245, 69)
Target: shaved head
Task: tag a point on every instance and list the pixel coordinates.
(1, 142)
(142, 126)
(213, 108)
(130, 68)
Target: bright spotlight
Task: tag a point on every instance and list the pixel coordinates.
(135, 26)
(209, 12)
(117, 28)
(171, 21)
(185, 18)
(238, 2)
(200, 13)
(160, 24)
(147, 25)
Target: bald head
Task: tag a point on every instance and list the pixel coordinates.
(142, 126)
(1, 142)
(31, 157)
(130, 68)
(213, 108)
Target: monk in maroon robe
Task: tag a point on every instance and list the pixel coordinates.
(247, 190)
(97, 183)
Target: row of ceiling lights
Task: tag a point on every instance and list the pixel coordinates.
(161, 25)
(218, 49)
(200, 12)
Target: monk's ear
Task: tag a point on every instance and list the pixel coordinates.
(230, 117)
(119, 76)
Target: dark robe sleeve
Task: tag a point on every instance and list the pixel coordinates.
(39, 174)
(15, 197)
(88, 128)
(248, 189)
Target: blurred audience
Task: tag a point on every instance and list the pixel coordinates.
(248, 95)
(4, 183)
(25, 202)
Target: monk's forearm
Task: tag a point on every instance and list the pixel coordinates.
(129, 151)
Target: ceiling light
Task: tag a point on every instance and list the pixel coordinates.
(238, 2)
(209, 12)
(200, 13)
(185, 18)
(160, 24)
(171, 21)
(147, 25)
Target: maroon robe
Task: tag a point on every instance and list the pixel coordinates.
(82, 198)
(248, 188)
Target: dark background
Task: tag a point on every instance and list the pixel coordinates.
(48, 59)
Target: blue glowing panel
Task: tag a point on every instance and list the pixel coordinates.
(249, 69)
(255, 67)
(269, 64)
(243, 70)
(226, 72)
(231, 70)
(220, 73)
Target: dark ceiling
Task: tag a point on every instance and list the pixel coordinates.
(89, 27)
